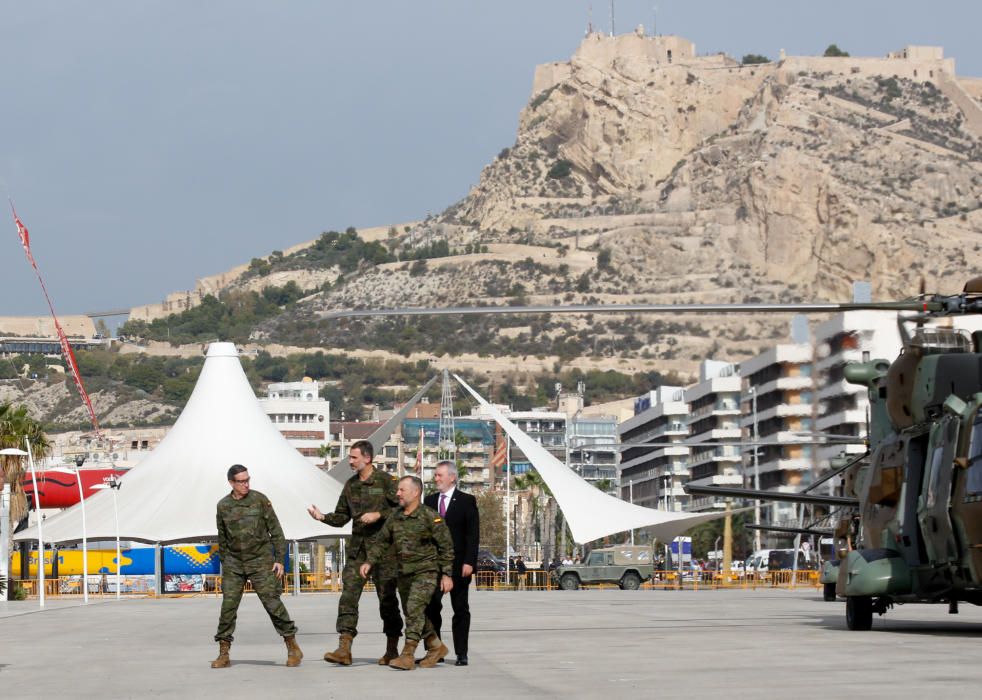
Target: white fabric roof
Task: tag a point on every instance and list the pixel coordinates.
(591, 513)
(171, 495)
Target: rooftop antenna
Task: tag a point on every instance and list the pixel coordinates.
(589, 19)
(654, 20)
(612, 18)
(447, 442)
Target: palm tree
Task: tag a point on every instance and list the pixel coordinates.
(15, 426)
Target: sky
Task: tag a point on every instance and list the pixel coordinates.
(150, 143)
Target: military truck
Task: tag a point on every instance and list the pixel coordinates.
(625, 565)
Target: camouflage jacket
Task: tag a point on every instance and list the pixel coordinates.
(421, 539)
(377, 494)
(249, 529)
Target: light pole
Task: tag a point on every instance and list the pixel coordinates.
(115, 484)
(24, 568)
(753, 400)
(630, 489)
(79, 461)
(508, 510)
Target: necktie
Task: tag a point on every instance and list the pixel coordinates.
(443, 504)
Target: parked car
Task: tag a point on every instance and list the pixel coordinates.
(626, 565)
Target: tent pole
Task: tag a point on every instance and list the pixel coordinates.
(296, 568)
(158, 569)
(5, 538)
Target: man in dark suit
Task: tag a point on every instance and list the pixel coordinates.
(459, 511)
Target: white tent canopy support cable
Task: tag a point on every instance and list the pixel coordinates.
(590, 513)
(171, 495)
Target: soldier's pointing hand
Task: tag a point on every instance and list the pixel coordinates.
(315, 513)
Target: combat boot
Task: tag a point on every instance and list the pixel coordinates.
(435, 651)
(341, 655)
(391, 651)
(406, 661)
(222, 661)
(293, 653)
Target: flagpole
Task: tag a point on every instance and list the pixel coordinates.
(37, 512)
(508, 509)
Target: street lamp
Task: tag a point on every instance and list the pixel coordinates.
(79, 461)
(114, 484)
(24, 568)
(630, 487)
(753, 399)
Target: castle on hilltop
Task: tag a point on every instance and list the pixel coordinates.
(921, 63)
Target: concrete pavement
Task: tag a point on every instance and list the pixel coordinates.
(574, 644)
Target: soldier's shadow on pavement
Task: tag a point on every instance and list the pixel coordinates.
(254, 662)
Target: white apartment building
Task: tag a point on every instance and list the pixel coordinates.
(843, 407)
(714, 419)
(778, 411)
(593, 449)
(299, 413)
(653, 475)
(849, 337)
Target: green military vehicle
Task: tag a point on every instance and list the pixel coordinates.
(626, 565)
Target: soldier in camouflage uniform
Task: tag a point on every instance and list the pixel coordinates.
(367, 500)
(251, 546)
(424, 551)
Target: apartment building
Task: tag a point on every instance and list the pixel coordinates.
(714, 421)
(778, 398)
(652, 475)
(301, 415)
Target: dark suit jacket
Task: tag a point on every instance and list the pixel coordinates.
(464, 522)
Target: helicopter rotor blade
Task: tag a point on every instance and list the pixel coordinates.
(911, 305)
(789, 530)
(769, 495)
(837, 471)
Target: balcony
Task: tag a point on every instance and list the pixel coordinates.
(838, 388)
(852, 416)
(717, 434)
(852, 355)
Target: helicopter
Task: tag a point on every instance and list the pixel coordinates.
(910, 529)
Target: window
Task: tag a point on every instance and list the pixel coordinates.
(595, 559)
(974, 485)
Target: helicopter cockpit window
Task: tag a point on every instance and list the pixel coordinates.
(973, 486)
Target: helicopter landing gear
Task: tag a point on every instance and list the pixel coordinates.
(859, 612)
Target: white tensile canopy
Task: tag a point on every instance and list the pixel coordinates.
(172, 494)
(589, 512)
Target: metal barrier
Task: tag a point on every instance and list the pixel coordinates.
(71, 586)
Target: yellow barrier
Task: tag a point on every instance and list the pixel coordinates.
(105, 587)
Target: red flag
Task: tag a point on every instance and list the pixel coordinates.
(25, 238)
(500, 456)
(66, 348)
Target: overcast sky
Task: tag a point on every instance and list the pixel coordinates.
(147, 144)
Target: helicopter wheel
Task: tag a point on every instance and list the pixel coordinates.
(859, 612)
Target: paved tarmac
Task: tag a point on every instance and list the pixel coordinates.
(572, 644)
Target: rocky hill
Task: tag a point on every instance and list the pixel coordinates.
(643, 172)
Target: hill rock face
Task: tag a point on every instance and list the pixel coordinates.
(642, 172)
(807, 172)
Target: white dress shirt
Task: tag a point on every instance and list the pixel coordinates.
(449, 495)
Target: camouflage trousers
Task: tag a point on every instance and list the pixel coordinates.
(268, 588)
(383, 575)
(416, 590)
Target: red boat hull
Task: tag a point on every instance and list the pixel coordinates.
(59, 489)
